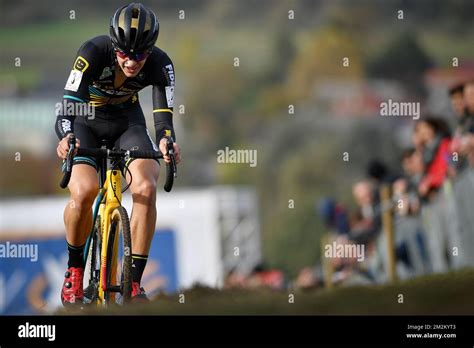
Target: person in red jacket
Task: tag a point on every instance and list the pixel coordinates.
(435, 138)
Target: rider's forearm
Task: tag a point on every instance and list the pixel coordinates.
(164, 125)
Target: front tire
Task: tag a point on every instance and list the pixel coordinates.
(119, 227)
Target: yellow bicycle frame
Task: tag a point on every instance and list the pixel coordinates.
(112, 193)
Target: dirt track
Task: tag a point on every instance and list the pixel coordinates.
(443, 294)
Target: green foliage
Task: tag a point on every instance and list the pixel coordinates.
(20, 80)
(321, 58)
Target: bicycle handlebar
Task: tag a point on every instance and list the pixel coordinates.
(101, 153)
(171, 168)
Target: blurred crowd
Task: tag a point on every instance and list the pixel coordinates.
(428, 208)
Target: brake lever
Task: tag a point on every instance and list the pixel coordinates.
(72, 147)
(69, 162)
(170, 149)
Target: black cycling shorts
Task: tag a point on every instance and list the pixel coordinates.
(121, 128)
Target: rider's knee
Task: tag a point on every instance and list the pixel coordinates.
(145, 192)
(84, 193)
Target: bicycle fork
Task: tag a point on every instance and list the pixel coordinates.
(113, 185)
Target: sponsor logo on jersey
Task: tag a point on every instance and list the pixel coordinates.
(169, 95)
(73, 81)
(169, 69)
(66, 125)
(81, 64)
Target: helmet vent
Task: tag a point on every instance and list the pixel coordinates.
(135, 12)
(121, 34)
(133, 35)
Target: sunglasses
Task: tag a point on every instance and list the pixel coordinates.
(138, 57)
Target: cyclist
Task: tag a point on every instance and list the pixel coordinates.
(107, 74)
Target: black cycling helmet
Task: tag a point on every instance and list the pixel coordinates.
(134, 28)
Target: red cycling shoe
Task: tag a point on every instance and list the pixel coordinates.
(72, 292)
(138, 293)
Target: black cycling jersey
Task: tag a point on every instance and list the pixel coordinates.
(92, 81)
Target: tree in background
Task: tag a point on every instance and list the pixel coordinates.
(404, 60)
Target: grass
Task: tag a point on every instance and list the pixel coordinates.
(442, 294)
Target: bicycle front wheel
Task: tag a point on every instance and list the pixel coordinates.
(119, 246)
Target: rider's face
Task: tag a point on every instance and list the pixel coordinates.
(130, 67)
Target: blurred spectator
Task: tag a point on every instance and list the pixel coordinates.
(408, 224)
(405, 188)
(468, 93)
(377, 170)
(434, 136)
(346, 270)
(234, 279)
(466, 124)
(458, 104)
(334, 216)
(417, 141)
(366, 222)
(310, 278)
(456, 95)
(260, 277)
(264, 277)
(412, 164)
